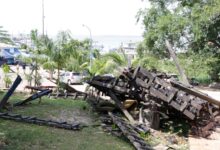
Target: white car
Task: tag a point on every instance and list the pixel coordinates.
(71, 77)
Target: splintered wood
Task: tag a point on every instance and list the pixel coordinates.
(159, 95)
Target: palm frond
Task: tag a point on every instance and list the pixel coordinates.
(116, 57)
(49, 65)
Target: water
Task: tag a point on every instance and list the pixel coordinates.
(111, 41)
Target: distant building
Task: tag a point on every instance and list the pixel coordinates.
(130, 50)
(23, 39)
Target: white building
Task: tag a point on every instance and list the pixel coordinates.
(130, 50)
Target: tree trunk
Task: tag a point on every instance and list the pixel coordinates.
(180, 70)
(51, 74)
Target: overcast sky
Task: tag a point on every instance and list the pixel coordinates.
(104, 17)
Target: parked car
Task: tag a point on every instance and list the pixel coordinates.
(71, 77)
(2, 61)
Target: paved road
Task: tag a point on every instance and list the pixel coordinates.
(21, 72)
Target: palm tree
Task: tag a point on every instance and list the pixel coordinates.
(79, 59)
(48, 51)
(36, 55)
(111, 62)
(58, 53)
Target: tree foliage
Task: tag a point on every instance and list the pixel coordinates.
(109, 63)
(189, 24)
(192, 26)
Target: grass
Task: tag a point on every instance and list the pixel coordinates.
(22, 136)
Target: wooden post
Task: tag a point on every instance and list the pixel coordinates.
(10, 92)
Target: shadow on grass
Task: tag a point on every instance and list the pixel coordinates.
(178, 125)
(18, 135)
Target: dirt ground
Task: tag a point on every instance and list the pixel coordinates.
(215, 93)
(213, 142)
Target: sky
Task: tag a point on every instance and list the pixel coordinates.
(103, 17)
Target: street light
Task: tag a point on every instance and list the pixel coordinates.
(90, 55)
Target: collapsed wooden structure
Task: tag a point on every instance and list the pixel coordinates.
(158, 95)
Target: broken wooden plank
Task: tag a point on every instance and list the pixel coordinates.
(10, 91)
(119, 104)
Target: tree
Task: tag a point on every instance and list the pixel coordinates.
(65, 53)
(36, 57)
(57, 53)
(186, 23)
(111, 62)
(7, 79)
(190, 26)
(79, 58)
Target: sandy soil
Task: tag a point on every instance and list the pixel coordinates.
(213, 142)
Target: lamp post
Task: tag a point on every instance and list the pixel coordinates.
(90, 53)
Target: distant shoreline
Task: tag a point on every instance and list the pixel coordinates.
(111, 41)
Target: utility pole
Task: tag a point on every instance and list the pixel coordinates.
(43, 17)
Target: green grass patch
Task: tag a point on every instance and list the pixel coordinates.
(19, 136)
(25, 136)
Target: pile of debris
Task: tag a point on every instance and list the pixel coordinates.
(146, 97)
(40, 92)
